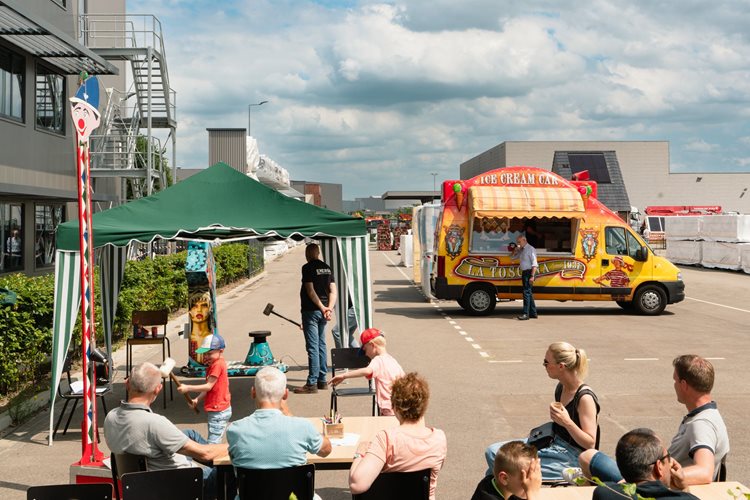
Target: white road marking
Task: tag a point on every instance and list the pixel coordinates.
(506, 361)
(456, 327)
(462, 333)
(641, 359)
(484, 354)
(451, 322)
(719, 305)
(476, 346)
(469, 339)
(448, 317)
(398, 268)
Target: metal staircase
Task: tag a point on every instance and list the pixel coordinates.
(149, 104)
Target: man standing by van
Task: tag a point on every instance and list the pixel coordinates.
(527, 255)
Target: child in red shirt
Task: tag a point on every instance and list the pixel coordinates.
(218, 399)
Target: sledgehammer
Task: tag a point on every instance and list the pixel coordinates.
(269, 310)
(166, 371)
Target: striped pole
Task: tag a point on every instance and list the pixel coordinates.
(86, 119)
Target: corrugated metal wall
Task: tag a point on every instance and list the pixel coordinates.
(229, 146)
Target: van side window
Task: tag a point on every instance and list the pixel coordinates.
(615, 241)
(633, 244)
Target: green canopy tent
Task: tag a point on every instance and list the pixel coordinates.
(219, 203)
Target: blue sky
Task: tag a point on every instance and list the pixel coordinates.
(376, 96)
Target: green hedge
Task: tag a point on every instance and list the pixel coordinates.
(26, 328)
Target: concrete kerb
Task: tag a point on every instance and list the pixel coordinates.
(40, 401)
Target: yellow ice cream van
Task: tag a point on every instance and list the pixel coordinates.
(584, 250)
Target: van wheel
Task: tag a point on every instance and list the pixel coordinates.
(650, 300)
(625, 304)
(479, 300)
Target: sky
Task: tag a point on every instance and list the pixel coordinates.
(378, 96)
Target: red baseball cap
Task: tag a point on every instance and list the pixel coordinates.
(367, 336)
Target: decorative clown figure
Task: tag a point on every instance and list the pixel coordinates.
(86, 117)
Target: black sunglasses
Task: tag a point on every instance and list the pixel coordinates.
(665, 457)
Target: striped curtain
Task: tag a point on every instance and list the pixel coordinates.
(350, 262)
(67, 302)
(111, 269)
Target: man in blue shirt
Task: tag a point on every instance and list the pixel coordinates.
(270, 438)
(527, 255)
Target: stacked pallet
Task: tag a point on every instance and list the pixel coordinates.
(714, 241)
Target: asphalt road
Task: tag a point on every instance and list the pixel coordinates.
(485, 373)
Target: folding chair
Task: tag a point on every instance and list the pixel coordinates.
(93, 491)
(74, 392)
(349, 358)
(174, 484)
(124, 463)
(389, 485)
(276, 484)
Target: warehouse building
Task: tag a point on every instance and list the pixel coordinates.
(644, 167)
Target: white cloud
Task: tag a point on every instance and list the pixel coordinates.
(378, 95)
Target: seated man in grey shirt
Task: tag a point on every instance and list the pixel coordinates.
(701, 441)
(133, 428)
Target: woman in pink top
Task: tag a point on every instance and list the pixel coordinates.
(412, 446)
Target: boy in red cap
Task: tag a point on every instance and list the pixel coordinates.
(218, 403)
(383, 368)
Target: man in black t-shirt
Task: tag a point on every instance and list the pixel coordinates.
(317, 296)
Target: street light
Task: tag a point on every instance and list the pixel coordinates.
(249, 114)
(434, 188)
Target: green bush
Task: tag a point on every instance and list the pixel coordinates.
(26, 328)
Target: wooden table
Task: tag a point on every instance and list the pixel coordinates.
(340, 458)
(713, 491)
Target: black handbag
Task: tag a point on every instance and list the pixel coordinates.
(542, 436)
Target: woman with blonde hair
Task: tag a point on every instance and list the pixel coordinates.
(574, 412)
(412, 446)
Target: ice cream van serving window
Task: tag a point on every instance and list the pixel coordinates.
(492, 235)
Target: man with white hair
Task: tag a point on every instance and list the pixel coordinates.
(270, 438)
(133, 428)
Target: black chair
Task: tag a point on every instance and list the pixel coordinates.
(175, 484)
(74, 392)
(94, 491)
(276, 484)
(722, 474)
(124, 463)
(390, 485)
(349, 358)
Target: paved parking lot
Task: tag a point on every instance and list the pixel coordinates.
(485, 373)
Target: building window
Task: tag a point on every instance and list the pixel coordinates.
(595, 163)
(12, 71)
(11, 235)
(46, 217)
(50, 100)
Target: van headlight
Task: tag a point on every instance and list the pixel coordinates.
(679, 276)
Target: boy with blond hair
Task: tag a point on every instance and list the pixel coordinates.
(383, 368)
(516, 474)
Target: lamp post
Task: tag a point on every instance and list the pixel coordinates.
(249, 114)
(434, 188)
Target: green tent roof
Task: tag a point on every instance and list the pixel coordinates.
(219, 202)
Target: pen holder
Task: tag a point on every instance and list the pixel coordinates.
(333, 430)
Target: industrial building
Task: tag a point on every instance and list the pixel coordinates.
(44, 47)
(644, 167)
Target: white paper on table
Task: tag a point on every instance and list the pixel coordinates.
(349, 439)
(107, 462)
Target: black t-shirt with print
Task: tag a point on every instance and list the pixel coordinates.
(319, 274)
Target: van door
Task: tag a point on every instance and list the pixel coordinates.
(620, 271)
